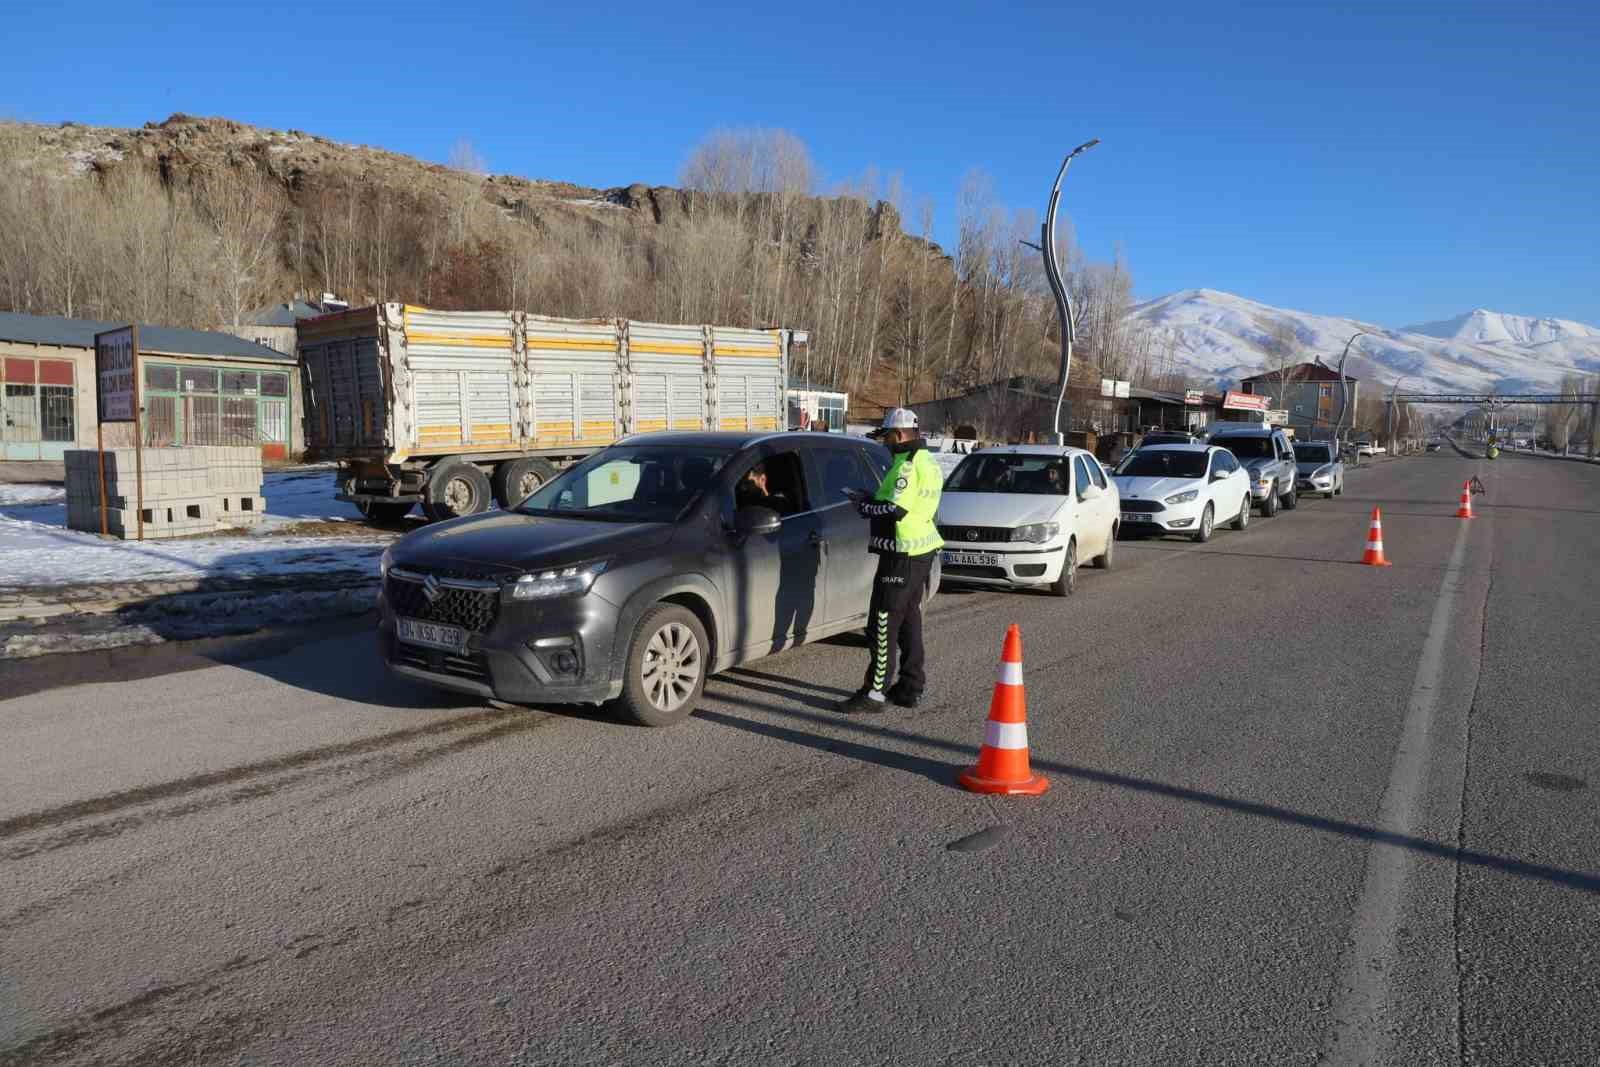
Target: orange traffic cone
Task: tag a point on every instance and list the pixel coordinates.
(1002, 765)
(1464, 509)
(1374, 554)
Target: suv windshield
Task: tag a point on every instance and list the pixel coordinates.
(1164, 464)
(990, 473)
(630, 483)
(1312, 454)
(1247, 447)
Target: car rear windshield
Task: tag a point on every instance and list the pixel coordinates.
(1247, 447)
(992, 473)
(630, 483)
(1311, 454)
(1162, 464)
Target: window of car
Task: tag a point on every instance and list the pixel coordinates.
(1010, 472)
(1080, 476)
(1161, 463)
(775, 481)
(1248, 447)
(1096, 472)
(1309, 453)
(840, 469)
(630, 483)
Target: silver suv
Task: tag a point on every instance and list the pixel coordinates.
(1267, 457)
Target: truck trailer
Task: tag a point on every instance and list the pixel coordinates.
(455, 410)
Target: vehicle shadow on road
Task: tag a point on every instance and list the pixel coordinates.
(351, 669)
(944, 774)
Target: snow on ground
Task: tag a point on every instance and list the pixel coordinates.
(37, 549)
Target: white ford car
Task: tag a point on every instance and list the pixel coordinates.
(1183, 489)
(1025, 515)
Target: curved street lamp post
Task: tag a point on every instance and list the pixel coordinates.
(1052, 273)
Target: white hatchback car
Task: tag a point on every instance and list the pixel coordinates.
(1025, 515)
(1183, 489)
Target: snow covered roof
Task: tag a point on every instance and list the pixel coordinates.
(169, 340)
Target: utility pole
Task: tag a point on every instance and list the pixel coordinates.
(1052, 273)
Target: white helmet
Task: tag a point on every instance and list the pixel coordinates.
(899, 419)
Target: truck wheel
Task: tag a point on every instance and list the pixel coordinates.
(1291, 501)
(385, 514)
(516, 479)
(666, 669)
(455, 489)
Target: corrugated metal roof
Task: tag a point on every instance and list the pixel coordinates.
(173, 340)
(284, 314)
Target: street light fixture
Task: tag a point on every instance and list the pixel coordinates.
(1344, 391)
(1052, 273)
(1392, 393)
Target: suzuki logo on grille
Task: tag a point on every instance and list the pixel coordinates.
(430, 588)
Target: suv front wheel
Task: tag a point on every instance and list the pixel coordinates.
(1269, 506)
(666, 669)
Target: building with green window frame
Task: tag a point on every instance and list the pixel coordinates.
(200, 388)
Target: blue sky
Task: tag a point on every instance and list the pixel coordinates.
(1399, 162)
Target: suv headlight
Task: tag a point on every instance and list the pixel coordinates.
(1036, 532)
(1184, 497)
(385, 561)
(560, 581)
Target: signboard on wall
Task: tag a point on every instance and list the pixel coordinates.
(1194, 397)
(116, 379)
(1111, 387)
(1235, 401)
(1278, 417)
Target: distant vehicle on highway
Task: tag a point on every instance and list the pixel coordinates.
(1183, 489)
(1267, 457)
(1318, 468)
(1434, 446)
(638, 572)
(1026, 515)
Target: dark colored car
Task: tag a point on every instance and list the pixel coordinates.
(638, 572)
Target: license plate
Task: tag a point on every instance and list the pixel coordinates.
(1135, 516)
(433, 635)
(972, 559)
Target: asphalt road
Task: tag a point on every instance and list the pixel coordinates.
(1301, 811)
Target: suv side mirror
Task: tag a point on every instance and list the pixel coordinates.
(756, 520)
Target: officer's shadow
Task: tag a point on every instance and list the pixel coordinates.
(738, 683)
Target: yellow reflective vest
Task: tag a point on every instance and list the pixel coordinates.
(904, 507)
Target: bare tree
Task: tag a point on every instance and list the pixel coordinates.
(240, 209)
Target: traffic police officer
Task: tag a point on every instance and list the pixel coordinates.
(904, 538)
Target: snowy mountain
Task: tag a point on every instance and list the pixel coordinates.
(1223, 337)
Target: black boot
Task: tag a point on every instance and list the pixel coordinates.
(860, 703)
(903, 697)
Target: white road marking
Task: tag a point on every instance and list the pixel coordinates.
(1365, 986)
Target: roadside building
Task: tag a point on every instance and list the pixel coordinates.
(274, 325)
(200, 388)
(813, 407)
(1310, 393)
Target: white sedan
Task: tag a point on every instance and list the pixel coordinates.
(1183, 489)
(1026, 515)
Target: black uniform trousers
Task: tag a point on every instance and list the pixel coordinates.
(894, 623)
